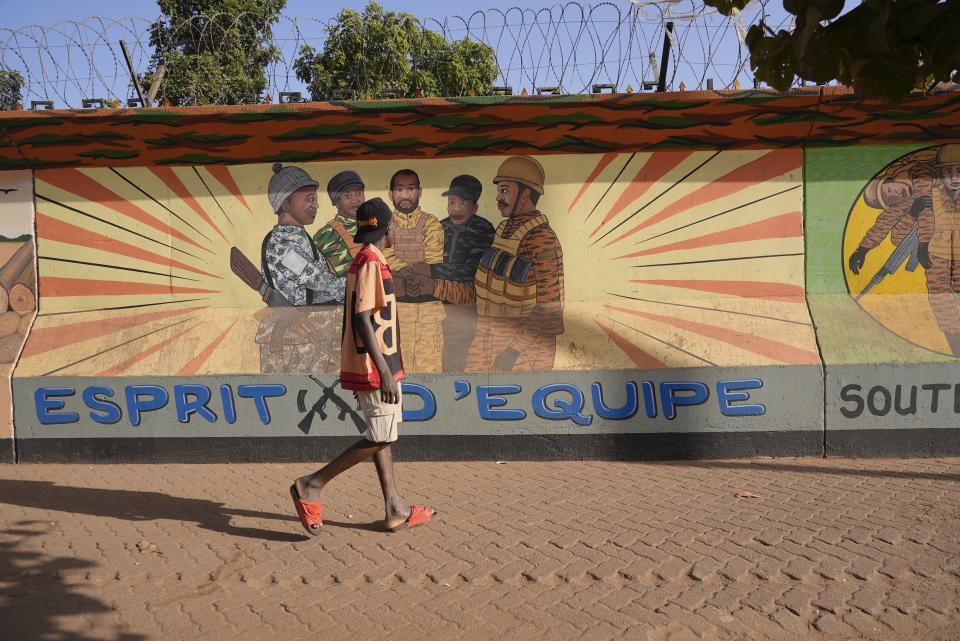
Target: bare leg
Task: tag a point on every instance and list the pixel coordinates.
(395, 508)
(309, 486)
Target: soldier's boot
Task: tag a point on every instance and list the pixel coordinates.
(954, 341)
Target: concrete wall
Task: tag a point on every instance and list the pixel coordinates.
(689, 326)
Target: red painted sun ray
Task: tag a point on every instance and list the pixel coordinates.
(49, 228)
(80, 184)
(61, 286)
(742, 288)
(194, 365)
(171, 180)
(637, 355)
(789, 225)
(758, 345)
(658, 166)
(45, 339)
(766, 167)
(601, 165)
(225, 178)
(123, 366)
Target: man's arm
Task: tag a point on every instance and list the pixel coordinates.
(313, 274)
(542, 248)
(474, 241)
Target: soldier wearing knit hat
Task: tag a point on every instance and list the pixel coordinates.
(293, 270)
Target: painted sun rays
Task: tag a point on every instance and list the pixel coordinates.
(129, 266)
(711, 246)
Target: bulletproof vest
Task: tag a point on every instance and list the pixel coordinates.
(408, 244)
(504, 281)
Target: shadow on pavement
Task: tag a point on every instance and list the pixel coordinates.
(33, 595)
(878, 471)
(139, 506)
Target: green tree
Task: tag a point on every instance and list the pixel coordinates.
(213, 51)
(882, 48)
(376, 51)
(11, 84)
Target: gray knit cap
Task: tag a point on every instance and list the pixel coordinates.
(284, 182)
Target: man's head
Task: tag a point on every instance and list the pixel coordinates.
(346, 193)
(519, 184)
(373, 223)
(300, 206)
(405, 190)
(948, 166)
(293, 195)
(462, 197)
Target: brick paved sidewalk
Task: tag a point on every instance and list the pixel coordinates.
(829, 549)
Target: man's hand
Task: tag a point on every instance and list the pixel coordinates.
(506, 359)
(407, 279)
(856, 259)
(920, 204)
(421, 268)
(425, 284)
(389, 390)
(923, 255)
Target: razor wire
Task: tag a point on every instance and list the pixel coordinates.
(568, 48)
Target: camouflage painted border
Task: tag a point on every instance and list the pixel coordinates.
(436, 128)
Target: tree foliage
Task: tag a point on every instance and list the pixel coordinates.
(11, 85)
(213, 51)
(882, 48)
(377, 51)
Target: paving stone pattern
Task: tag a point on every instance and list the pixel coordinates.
(829, 549)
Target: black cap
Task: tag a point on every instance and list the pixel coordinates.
(339, 183)
(373, 220)
(465, 187)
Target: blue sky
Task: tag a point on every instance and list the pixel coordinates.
(536, 68)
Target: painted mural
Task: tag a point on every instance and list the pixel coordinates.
(510, 263)
(903, 238)
(18, 281)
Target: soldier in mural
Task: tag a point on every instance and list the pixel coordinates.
(293, 338)
(335, 239)
(466, 238)
(417, 245)
(940, 244)
(902, 193)
(519, 281)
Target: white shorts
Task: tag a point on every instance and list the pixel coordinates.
(382, 419)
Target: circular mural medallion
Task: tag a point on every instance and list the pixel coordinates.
(901, 248)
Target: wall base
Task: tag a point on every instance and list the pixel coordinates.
(553, 447)
(915, 442)
(7, 452)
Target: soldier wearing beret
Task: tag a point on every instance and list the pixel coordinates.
(335, 239)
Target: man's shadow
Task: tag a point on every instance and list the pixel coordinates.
(139, 506)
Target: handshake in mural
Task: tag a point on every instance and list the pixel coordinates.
(413, 281)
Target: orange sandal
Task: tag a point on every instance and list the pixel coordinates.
(310, 512)
(418, 516)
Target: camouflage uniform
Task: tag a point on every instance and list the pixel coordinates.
(301, 338)
(335, 242)
(529, 326)
(463, 247)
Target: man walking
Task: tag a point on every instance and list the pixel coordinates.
(371, 366)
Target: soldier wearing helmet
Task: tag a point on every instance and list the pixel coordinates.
(519, 281)
(297, 281)
(902, 193)
(942, 245)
